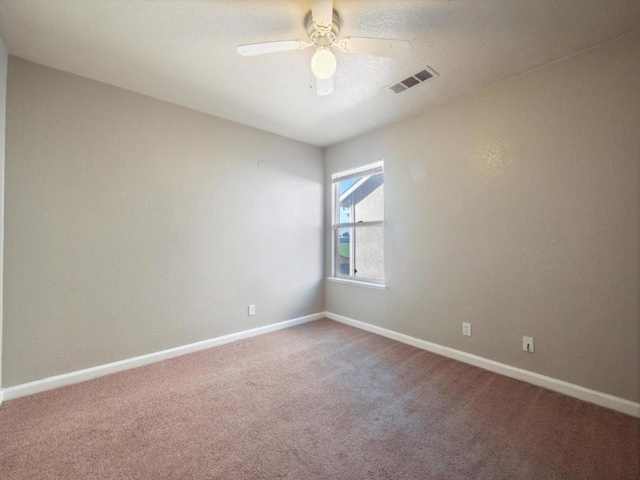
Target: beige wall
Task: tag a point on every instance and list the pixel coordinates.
(3, 91)
(134, 225)
(517, 209)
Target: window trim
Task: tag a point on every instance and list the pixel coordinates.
(357, 283)
(372, 168)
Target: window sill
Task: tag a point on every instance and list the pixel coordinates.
(375, 286)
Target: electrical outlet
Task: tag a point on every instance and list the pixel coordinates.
(466, 329)
(252, 310)
(527, 344)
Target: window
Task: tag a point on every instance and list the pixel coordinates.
(358, 224)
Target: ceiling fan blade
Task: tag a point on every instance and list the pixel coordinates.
(322, 14)
(324, 87)
(380, 47)
(271, 47)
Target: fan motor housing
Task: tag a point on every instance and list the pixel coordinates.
(323, 38)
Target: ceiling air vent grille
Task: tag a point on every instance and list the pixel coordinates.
(410, 82)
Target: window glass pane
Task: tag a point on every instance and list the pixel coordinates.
(345, 215)
(361, 199)
(368, 252)
(344, 251)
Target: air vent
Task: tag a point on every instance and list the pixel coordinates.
(410, 82)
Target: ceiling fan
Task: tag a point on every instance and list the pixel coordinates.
(323, 28)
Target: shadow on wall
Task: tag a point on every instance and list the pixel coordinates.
(308, 302)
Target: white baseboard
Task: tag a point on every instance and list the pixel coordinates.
(101, 370)
(566, 388)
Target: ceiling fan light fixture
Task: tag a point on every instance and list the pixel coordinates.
(323, 63)
(322, 24)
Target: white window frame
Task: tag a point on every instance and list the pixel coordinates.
(370, 169)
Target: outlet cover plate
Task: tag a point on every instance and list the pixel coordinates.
(466, 329)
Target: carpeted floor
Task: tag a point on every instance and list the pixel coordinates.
(318, 401)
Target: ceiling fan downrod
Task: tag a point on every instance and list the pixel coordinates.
(322, 36)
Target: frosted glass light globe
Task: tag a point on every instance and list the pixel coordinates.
(323, 63)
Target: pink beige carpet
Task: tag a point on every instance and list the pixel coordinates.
(318, 401)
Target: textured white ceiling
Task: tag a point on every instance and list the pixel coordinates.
(184, 51)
